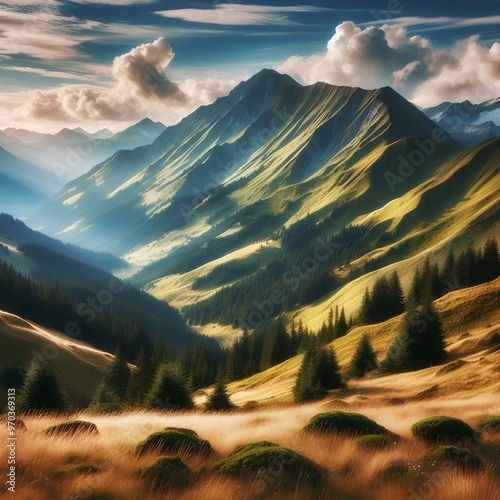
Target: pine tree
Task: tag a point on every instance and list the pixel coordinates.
(105, 400)
(41, 390)
(317, 374)
(419, 343)
(219, 399)
(331, 326)
(119, 375)
(365, 309)
(169, 390)
(363, 360)
(341, 326)
(139, 380)
(490, 262)
(398, 297)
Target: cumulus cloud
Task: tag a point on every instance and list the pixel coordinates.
(375, 57)
(140, 89)
(141, 71)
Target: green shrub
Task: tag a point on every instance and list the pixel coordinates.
(281, 468)
(457, 457)
(79, 469)
(71, 428)
(341, 422)
(450, 367)
(166, 472)
(441, 429)
(489, 424)
(173, 441)
(374, 441)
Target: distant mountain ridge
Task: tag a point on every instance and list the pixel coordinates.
(72, 152)
(468, 123)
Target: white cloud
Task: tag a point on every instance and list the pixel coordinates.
(114, 2)
(140, 89)
(42, 34)
(375, 57)
(239, 14)
(47, 73)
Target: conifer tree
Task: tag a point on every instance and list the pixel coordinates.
(118, 376)
(41, 390)
(363, 360)
(341, 326)
(139, 380)
(169, 389)
(219, 398)
(105, 400)
(365, 309)
(318, 373)
(490, 262)
(398, 297)
(419, 343)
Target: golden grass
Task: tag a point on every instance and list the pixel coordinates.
(353, 472)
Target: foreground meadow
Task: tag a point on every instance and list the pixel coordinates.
(102, 466)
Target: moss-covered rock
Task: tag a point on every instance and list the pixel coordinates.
(395, 472)
(489, 424)
(166, 472)
(280, 468)
(441, 429)
(71, 428)
(79, 469)
(341, 422)
(374, 441)
(173, 441)
(453, 456)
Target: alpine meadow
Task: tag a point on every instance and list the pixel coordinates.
(249, 250)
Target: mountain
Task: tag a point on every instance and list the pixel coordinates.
(230, 206)
(468, 123)
(16, 232)
(26, 136)
(268, 123)
(72, 152)
(56, 290)
(23, 188)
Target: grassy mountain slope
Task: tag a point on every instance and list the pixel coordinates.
(83, 366)
(472, 311)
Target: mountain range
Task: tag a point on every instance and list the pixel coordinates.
(243, 188)
(70, 153)
(468, 123)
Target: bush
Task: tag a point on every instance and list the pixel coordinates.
(341, 422)
(434, 430)
(489, 424)
(173, 440)
(285, 467)
(458, 457)
(71, 428)
(373, 441)
(166, 472)
(80, 469)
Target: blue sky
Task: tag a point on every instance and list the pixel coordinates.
(80, 63)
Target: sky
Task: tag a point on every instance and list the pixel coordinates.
(107, 64)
